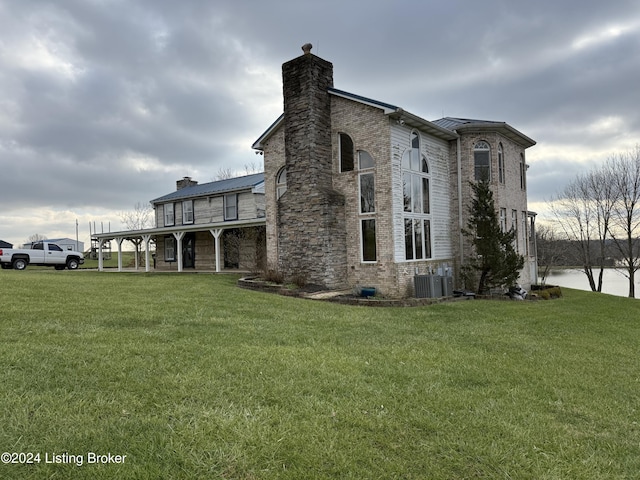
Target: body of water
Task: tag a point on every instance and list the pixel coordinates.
(613, 281)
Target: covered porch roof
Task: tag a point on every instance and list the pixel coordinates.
(178, 231)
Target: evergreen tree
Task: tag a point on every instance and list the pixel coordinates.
(496, 261)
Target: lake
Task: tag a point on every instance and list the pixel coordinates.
(613, 281)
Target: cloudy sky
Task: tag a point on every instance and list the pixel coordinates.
(106, 103)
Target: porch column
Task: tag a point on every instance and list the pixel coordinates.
(100, 262)
(135, 247)
(119, 240)
(217, 232)
(146, 239)
(178, 236)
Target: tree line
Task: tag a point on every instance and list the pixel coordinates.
(596, 221)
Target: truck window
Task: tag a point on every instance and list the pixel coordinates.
(37, 246)
(54, 247)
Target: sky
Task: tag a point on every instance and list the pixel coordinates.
(104, 104)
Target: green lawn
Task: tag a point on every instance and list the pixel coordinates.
(191, 377)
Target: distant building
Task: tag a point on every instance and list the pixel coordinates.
(64, 243)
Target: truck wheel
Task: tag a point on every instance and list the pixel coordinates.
(20, 264)
(73, 264)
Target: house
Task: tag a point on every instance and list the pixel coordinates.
(364, 193)
(203, 227)
(4, 244)
(356, 193)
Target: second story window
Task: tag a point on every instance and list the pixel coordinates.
(169, 217)
(417, 205)
(281, 182)
(482, 161)
(231, 206)
(346, 152)
(523, 173)
(500, 164)
(187, 211)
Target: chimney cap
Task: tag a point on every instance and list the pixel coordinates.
(306, 48)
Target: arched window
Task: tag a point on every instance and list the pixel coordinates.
(417, 205)
(281, 182)
(500, 164)
(366, 177)
(482, 161)
(346, 152)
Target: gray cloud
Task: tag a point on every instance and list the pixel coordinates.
(106, 104)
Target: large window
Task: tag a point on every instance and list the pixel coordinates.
(482, 161)
(169, 218)
(187, 212)
(417, 202)
(366, 177)
(346, 152)
(281, 182)
(231, 206)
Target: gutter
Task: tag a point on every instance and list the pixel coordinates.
(460, 223)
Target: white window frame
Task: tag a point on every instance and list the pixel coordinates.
(187, 212)
(228, 213)
(169, 214)
(416, 169)
(170, 248)
(281, 182)
(481, 146)
(366, 168)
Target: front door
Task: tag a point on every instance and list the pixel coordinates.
(189, 251)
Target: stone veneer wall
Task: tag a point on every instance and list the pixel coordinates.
(310, 216)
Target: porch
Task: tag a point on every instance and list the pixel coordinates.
(214, 247)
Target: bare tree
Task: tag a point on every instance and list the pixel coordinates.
(137, 219)
(549, 249)
(601, 188)
(253, 167)
(625, 220)
(36, 237)
(576, 216)
(224, 174)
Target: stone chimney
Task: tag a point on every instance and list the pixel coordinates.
(311, 216)
(185, 182)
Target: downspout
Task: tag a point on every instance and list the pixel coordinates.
(460, 222)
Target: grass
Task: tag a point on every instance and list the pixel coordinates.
(191, 377)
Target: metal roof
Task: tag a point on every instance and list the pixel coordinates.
(394, 112)
(461, 124)
(214, 188)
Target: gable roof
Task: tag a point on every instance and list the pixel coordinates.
(228, 185)
(462, 124)
(4, 244)
(393, 111)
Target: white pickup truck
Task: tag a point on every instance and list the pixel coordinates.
(41, 253)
